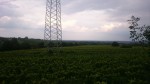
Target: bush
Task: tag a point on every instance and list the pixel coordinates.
(7, 45)
(126, 46)
(25, 45)
(41, 45)
(115, 44)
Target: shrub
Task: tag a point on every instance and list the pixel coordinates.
(115, 44)
(126, 46)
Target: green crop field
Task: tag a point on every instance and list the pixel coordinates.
(97, 64)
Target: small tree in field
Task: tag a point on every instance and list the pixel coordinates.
(140, 34)
(115, 44)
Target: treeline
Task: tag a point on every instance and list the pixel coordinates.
(78, 43)
(7, 44)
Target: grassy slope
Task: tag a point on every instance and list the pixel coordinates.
(76, 65)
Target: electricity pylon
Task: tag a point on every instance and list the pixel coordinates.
(53, 29)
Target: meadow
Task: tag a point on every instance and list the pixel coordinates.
(88, 64)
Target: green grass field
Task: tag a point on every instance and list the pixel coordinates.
(97, 64)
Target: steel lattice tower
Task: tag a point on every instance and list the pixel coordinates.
(53, 29)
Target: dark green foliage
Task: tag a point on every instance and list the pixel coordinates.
(41, 45)
(25, 45)
(0, 46)
(79, 43)
(76, 65)
(15, 44)
(115, 44)
(72, 43)
(7, 44)
(51, 44)
(126, 46)
(28, 43)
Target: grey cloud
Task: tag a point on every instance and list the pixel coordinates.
(78, 5)
(134, 7)
(3, 2)
(8, 9)
(14, 23)
(118, 9)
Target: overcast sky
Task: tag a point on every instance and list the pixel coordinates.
(81, 19)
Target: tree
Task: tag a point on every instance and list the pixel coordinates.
(147, 33)
(41, 45)
(6, 45)
(140, 34)
(15, 44)
(0, 45)
(115, 44)
(26, 38)
(25, 45)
